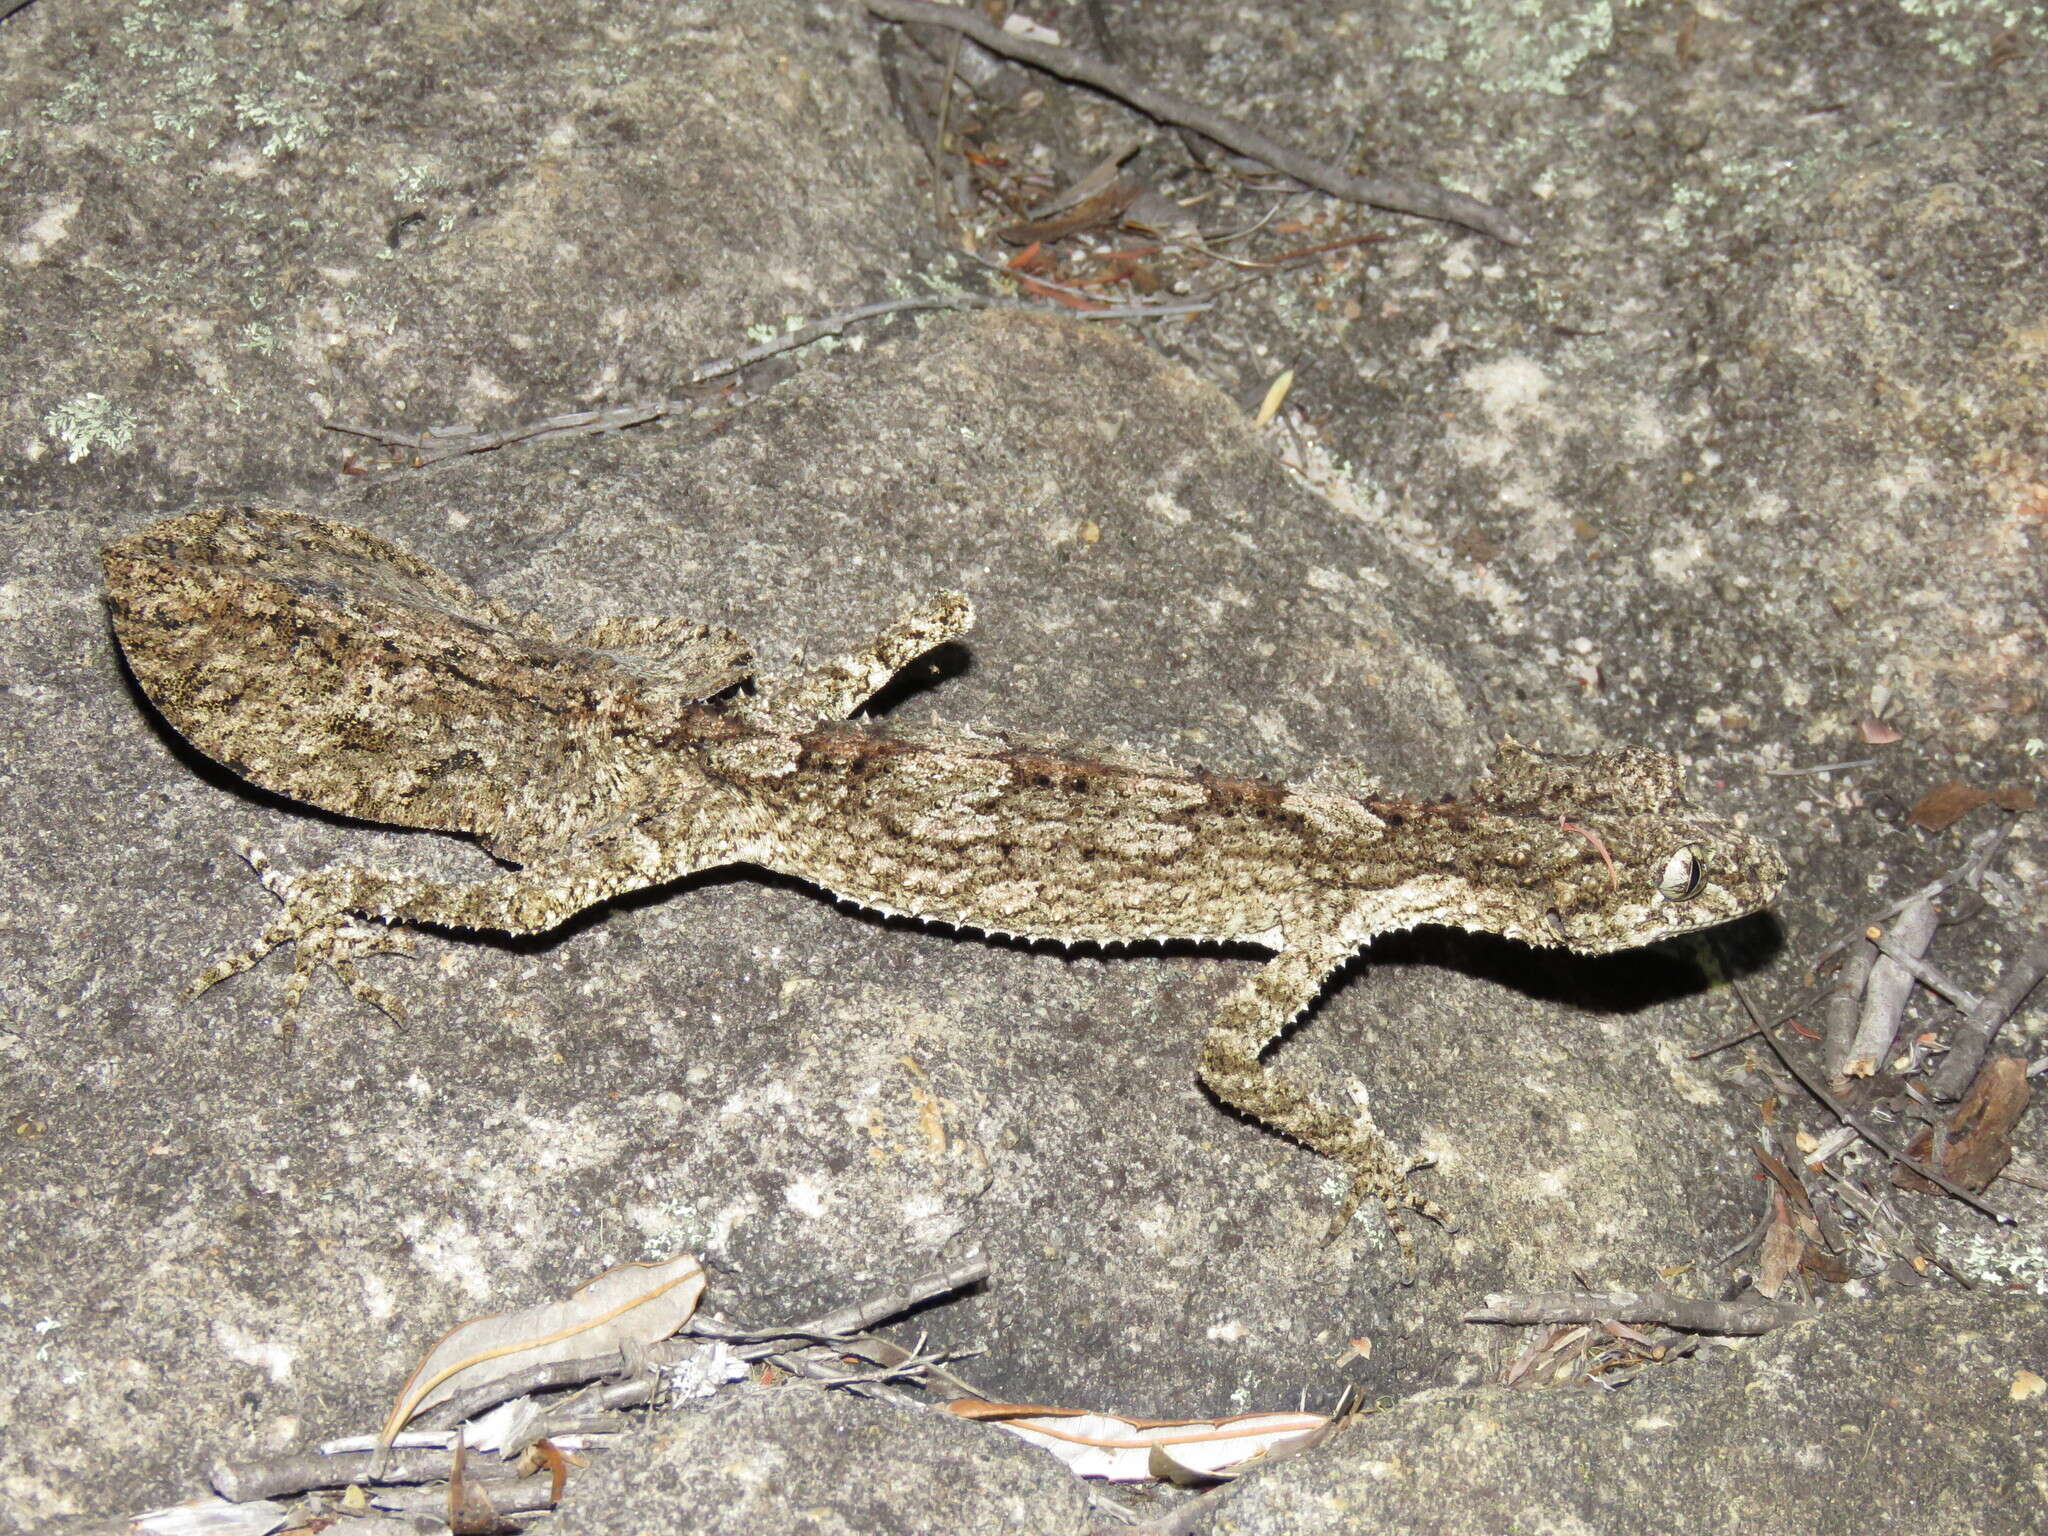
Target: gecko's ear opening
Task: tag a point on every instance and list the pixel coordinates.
(1562, 783)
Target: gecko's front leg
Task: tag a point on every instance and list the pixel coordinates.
(1250, 1019)
(335, 916)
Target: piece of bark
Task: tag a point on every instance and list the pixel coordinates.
(1884, 999)
(1844, 1000)
(1978, 1144)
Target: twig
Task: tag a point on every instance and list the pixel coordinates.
(287, 1476)
(1883, 1221)
(435, 445)
(832, 325)
(528, 1496)
(914, 1363)
(1983, 849)
(1924, 971)
(432, 447)
(1799, 1005)
(836, 1328)
(1097, 308)
(949, 173)
(1794, 1162)
(1421, 198)
(860, 1316)
(2017, 1175)
(1794, 773)
(1856, 1122)
(1891, 984)
(1981, 1024)
(1183, 1520)
(1762, 1226)
(839, 1330)
(1691, 1314)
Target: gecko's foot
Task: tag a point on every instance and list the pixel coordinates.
(322, 931)
(1374, 1177)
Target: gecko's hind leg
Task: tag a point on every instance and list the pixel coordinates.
(337, 915)
(834, 689)
(1249, 1020)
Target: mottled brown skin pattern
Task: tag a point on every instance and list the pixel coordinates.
(325, 663)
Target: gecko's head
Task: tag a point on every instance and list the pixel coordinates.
(1600, 852)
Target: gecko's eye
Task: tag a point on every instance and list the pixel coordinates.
(1683, 875)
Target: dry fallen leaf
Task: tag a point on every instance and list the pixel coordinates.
(634, 1303)
(1139, 1450)
(1876, 732)
(212, 1517)
(1945, 805)
(1276, 396)
(1783, 1249)
(1104, 208)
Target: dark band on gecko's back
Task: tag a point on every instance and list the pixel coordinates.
(325, 663)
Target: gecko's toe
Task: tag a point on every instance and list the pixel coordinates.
(324, 935)
(1396, 1197)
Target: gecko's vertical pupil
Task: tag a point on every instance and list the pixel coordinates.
(1683, 875)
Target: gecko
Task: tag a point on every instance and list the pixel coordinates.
(326, 664)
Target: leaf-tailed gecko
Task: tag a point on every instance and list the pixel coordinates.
(325, 663)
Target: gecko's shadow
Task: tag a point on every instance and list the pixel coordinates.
(937, 666)
(1624, 982)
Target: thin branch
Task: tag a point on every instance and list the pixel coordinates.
(839, 1331)
(1423, 199)
(528, 1496)
(835, 1329)
(1691, 1314)
(1794, 1162)
(288, 1476)
(1799, 1005)
(435, 445)
(1756, 1233)
(863, 1315)
(439, 443)
(1882, 1222)
(832, 325)
(1924, 971)
(1844, 1003)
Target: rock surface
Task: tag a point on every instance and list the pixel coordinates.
(1749, 434)
(803, 1459)
(1905, 1415)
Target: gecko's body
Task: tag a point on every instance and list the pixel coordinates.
(324, 663)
